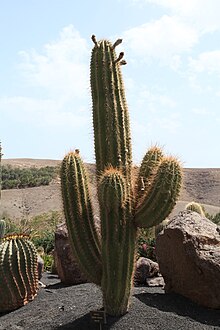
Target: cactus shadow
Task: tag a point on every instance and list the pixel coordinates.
(55, 286)
(177, 304)
(4, 313)
(85, 323)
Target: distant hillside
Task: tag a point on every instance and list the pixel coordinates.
(201, 185)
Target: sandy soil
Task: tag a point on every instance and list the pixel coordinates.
(68, 307)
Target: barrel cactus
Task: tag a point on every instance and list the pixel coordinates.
(195, 207)
(18, 272)
(107, 258)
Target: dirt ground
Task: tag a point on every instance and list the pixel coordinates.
(68, 307)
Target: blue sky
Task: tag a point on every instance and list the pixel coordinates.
(172, 76)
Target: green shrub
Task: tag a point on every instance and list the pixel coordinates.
(41, 228)
(146, 245)
(214, 218)
(13, 177)
(45, 239)
(48, 262)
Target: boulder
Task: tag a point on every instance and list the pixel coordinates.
(188, 253)
(155, 281)
(145, 268)
(66, 266)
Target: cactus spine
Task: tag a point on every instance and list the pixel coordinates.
(108, 259)
(18, 272)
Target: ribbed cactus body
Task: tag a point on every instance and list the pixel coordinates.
(108, 259)
(110, 112)
(147, 172)
(79, 216)
(18, 272)
(118, 232)
(2, 228)
(161, 197)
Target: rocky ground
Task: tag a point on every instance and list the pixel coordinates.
(68, 307)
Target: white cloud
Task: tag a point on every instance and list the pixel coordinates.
(61, 67)
(163, 39)
(204, 71)
(202, 14)
(208, 62)
(155, 100)
(56, 84)
(201, 111)
(42, 113)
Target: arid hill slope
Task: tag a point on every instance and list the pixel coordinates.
(201, 185)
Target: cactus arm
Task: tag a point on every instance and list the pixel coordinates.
(161, 198)
(147, 171)
(79, 217)
(110, 113)
(118, 242)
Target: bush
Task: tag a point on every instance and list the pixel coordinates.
(214, 218)
(146, 245)
(46, 240)
(48, 262)
(13, 177)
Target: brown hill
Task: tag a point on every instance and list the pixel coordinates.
(200, 185)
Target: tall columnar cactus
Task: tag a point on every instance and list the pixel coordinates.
(107, 259)
(18, 272)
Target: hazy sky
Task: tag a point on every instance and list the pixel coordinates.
(172, 76)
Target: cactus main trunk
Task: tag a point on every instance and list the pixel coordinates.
(118, 242)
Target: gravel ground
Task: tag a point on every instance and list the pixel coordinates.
(68, 307)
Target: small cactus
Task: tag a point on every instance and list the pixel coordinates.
(18, 272)
(195, 207)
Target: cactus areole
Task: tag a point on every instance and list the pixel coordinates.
(107, 258)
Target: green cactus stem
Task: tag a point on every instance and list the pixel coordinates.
(108, 259)
(2, 228)
(147, 172)
(79, 216)
(110, 111)
(161, 197)
(118, 232)
(18, 272)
